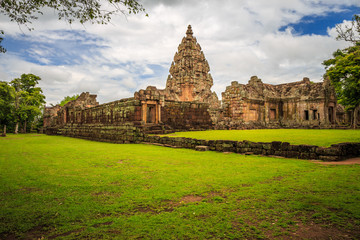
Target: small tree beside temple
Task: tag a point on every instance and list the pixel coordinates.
(7, 96)
(28, 100)
(343, 69)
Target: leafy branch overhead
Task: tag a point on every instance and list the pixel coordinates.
(24, 12)
(349, 33)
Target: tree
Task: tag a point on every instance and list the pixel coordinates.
(28, 100)
(23, 12)
(2, 50)
(68, 99)
(343, 69)
(349, 33)
(7, 96)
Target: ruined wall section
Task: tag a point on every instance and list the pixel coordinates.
(113, 113)
(116, 121)
(189, 78)
(126, 132)
(50, 115)
(186, 115)
(243, 105)
(297, 104)
(335, 152)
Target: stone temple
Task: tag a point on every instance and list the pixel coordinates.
(187, 103)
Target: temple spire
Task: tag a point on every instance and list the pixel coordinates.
(189, 31)
(189, 78)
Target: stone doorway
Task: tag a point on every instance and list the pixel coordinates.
(331, 114)
(151, 113)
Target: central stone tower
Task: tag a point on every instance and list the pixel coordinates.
(189, 78)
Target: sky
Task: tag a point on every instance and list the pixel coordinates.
(279, 41)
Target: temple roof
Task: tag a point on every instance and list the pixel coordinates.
(189, 65)
(190, 71)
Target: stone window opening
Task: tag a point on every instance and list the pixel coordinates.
(314, 114)
(272, 114)
(306, 116)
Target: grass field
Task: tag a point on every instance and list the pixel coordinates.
(318, 137)
(64, 188)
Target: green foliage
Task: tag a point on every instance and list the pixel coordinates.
(343, 69)
(77, 189)
(7, 96)
(23, 12)
(318, 137)
(2, 49)
(344, 72)
(29, 99)
(349, 33)
(68, 99)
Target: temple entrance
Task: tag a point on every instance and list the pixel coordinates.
(151, 113)
(331, 114)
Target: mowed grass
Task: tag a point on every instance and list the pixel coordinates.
(66, 188)
(318, 137)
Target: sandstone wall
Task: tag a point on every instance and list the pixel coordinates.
(125, 110)
(186, 115)
(300, 104)
(124, 133)
(335, 152)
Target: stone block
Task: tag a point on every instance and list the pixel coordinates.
(266, 146)
(304, 155)
(285, 146)
(330, 158)
(291, 154)
(202, 148)
(257, 151)
(276, 145)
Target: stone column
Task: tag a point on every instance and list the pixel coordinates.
(158, 113)
(144, 112)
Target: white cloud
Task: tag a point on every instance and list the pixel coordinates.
(239, 39)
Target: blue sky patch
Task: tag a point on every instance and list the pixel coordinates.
(66, 48)
(318, 24)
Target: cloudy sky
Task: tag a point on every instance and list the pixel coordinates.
(277, 40)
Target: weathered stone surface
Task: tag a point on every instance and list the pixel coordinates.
(189, 78)
(201, 148)
(260, 105)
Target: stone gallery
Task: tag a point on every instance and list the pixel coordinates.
(187, 103)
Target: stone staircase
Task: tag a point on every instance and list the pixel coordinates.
(160, 128)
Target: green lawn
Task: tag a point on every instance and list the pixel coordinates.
(66, 188)
(318, 137)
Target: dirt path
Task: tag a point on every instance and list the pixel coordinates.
(345, 162)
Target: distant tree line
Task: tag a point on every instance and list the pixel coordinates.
(21, 104)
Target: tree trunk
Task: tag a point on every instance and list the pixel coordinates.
(25, 126)
(4, 132)
(355, 116)
(16, 128)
